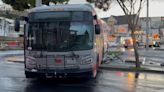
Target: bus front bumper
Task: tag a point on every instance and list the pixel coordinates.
(65, 73)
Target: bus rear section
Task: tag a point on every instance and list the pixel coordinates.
(62, 42)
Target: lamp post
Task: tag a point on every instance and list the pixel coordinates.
(150, 28)
(147, 27)
(38, 3)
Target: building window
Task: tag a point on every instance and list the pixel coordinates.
(162, 18)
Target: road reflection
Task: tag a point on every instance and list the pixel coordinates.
(106, 80)
(59, 85)
(130, 82)
(134, 82)
(131, 50)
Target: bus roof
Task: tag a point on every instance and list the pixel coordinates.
(80, 7)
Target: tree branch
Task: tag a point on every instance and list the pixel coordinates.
(138, 14)
(134, 16)
(131, 7)
(125, 7)
(127, 16)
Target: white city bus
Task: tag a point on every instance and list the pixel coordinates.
(62, 41)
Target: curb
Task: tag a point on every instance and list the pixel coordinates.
(119, 53)
(14, 60)
(17, 61)
(130, 69)
(13, 55)
(132, 61)
(159, 49)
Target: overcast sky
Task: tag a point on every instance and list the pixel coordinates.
(155, 9)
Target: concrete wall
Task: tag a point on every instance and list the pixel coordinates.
(4, 28)
(11, 47)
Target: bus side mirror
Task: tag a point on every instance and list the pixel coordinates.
(97, 29)
(17, 25)
(26, 19)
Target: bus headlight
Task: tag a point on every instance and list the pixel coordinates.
(31, 61)
(87, 61)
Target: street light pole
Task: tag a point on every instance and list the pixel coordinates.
(150, 28)
(147, 27)
(38, 3)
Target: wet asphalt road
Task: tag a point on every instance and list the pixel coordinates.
(12, 79)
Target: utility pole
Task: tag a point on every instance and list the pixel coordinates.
(147, 27)
(38, 3)
(4, 27)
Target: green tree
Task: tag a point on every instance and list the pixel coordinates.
(21, 5)
(132, 15)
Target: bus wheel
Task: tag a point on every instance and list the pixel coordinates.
(159, 44)
(156, 44)
(28, 75)
(126, 46)
(95, 70)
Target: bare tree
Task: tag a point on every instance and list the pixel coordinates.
(132, 15)
(132, 21)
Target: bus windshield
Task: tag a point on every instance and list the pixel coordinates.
(60, 35)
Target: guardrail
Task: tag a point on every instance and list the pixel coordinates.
(11, 38)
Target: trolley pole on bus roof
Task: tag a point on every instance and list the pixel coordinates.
(147, 27)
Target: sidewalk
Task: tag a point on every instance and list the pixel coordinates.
(127, 66)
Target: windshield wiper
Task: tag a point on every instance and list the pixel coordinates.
(73, 54)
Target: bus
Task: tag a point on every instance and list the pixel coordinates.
(62, 41)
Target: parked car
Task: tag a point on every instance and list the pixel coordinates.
(112, 43)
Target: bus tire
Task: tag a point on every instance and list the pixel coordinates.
(28, 75)
(159, 44)
(126, 46)
(156, 44)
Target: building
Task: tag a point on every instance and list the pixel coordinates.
(7, 28)
(154, 24)
(5, 7)
(4, 28)
(12, 32)
(120, 27)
